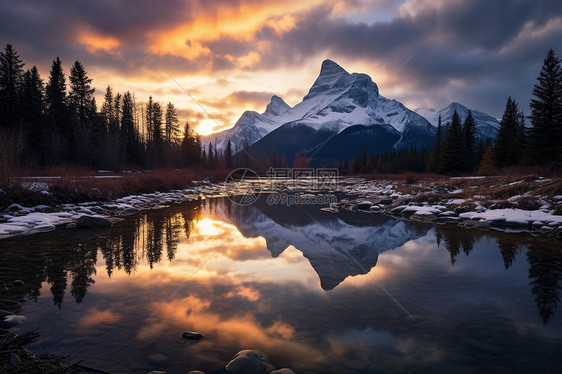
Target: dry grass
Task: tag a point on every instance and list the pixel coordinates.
(75, 185)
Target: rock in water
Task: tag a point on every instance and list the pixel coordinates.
(4, 313)
(11, 321)
(88, 222)
(188, 335)
(247, 362)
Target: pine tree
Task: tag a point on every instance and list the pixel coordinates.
(60, 132)
(171, 124)
(228, 155)
(433, 163)
(191, 148)
(487, 162)
(117, 106)
(33, 107)
(469, 130)
(81, 94)
(507, 147)
(128, 133)
(545, 143)
(157, 123)
(149, 119)
(11, 73)
(108, 110)
(452, 157)
(210, 157)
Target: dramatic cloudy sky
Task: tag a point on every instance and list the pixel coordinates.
(232, 55)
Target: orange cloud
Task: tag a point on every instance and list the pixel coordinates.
(94, 42)
(97, 317)
(240, 23)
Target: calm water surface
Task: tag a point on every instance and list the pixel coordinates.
(318, 292)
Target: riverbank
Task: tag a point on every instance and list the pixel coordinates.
(512, 204)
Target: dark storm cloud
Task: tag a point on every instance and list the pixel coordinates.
(479, 51)
(467, 42)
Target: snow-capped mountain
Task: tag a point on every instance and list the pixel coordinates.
(341, 116)
(336, 246)
(337, 100)
(486, 125)
(251, 126)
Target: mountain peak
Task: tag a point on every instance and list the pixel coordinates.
(457, 106)
(276, 106)
(330, 73)
(331, 67)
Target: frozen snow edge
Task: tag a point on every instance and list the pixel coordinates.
(383, 197)
(18, 220)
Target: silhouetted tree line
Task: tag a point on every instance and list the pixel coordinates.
(394, 161)
(48, 124)
(516, 143)
(457, 150)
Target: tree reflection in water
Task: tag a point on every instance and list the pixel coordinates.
(64, 256)
(544, 258)
(68, 257)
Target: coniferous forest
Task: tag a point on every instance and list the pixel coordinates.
(56, 121)
(521, 140)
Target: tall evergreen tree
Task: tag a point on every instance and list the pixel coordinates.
(171, 124)
(210, 157)
(60, 131)
(157, 123)
(81, 94)
(128, 133)
(545, 143)
(469, 130)
(433, 163)
(228, 155)
(507, 147)
(33, 107)
(11, 73)
(452, 157)
(149, 119)
(191, 147)
(108, 110)
(117, 106)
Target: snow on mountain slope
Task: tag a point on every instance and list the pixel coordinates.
(335, 249)
(336, 100)
(486, 125)
(251, 126)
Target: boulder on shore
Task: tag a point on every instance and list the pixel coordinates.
(247, 362)
(88, 222)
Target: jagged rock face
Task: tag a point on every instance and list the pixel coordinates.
(337, 101)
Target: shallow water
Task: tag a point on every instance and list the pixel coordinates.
(351, 292)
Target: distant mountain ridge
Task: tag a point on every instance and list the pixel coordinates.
(486, 125)
(341, 115)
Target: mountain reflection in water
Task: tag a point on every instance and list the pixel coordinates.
(305, 286)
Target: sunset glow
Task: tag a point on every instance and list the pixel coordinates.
(232, 57)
